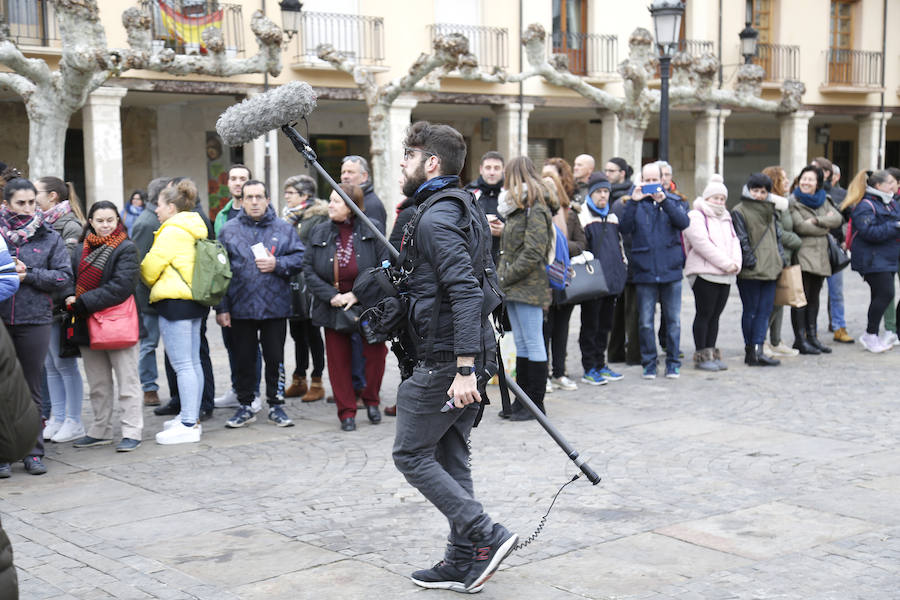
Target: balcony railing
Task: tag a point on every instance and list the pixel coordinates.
(31, 22)
(695, 47)
(590, 54)
(853, 68)
(177, 24)
(356, 37)
(779, 62)
(488, 44)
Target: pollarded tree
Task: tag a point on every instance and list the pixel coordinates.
(51, 97)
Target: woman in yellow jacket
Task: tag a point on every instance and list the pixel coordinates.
(168, 269)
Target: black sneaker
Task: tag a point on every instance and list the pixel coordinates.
(34, 465)
(489, 553)
(242, 416)
(442, 576)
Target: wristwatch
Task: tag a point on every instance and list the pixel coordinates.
(465, 371)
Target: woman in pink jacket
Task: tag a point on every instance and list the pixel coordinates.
(711, 266)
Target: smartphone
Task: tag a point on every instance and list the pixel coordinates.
(651, 188)
(259, 251)
(492, 218)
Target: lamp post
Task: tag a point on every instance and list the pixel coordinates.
(667, 24)
(749, 36)
(291, 11)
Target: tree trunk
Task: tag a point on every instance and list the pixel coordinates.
(48, 121)
(379, 138)
(631, 140)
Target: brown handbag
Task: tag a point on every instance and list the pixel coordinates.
(789, 288)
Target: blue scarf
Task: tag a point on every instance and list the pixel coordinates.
(437, 183)
(811, 200)
(597, 211)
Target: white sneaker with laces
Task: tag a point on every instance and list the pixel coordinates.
(889, 339)
(783, 349)
(52, 426)
(768, 350)
(177, 433)
(565, 383)
(872, 343)
(229, 400)
(70, 431)
(550, 387)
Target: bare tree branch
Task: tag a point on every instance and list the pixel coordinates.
(16, 83)
(33, 69)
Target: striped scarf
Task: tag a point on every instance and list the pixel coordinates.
(19, 228)
(94, 254)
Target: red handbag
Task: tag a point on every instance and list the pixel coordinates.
(114, 328)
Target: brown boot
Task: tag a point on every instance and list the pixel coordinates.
(316, 390)
(151, 398)
(297, 388)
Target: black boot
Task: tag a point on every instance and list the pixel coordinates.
(521, 373)
(535, 386)
(750, 357)
(813, 340)
(798, 316)
(763, 360)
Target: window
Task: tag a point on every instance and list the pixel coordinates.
(762, 20)
(569, 28)
(841, 41)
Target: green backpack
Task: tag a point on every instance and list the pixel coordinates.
(212, 272)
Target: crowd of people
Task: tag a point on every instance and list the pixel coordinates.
(68, 277)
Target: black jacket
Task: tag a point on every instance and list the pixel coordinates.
(318, 265)
(120, 276)
(374, 209)
(487, 195)
(407, 210)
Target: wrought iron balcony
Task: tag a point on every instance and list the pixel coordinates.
(590, 54)
(31, 22)
(488, 44)
(696, 47)
(356, 37)
(780, 62)
(177, 24)
(853, 68)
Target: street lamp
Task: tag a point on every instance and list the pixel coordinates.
(290, 16)
(749, 41)
(667, 23)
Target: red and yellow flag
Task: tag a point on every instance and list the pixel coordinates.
(187, 29)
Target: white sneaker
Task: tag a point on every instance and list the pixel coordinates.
(71, 430)
(889, 339)
(783, 349)
(256, 405)
(171, 423)
(229, 400)
(565, 383)
(52, 426)
(872, 343)
(768, 350)
(177, 433)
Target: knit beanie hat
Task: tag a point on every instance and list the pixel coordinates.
(759, 180)
(715, 186)
(597, 181)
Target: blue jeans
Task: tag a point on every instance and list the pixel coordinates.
(147, 356)
(528, 330)
(669, 295)
(836, 300)
(758, 298)
(63, 382)
(182, 340)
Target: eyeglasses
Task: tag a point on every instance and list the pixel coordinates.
(408, 152)
(352, 158)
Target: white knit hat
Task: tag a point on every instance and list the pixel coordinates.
(715, 186)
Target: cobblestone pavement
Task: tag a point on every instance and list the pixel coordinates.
(748, 484)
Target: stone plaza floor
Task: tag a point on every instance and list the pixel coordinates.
(753, 483)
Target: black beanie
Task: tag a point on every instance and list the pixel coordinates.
(759, 180)
(623, 164)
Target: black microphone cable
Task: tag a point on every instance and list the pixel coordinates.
(543, 521)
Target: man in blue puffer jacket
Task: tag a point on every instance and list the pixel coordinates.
(265, 252)
(657, 259)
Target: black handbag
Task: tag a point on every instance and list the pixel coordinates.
(347, 321)
(588, 283)
(299, 297)
(68, 345)
(837, 256)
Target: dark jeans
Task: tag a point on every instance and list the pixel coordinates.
(882, 292)
(596, 321)
(556, 335)
(31, 343)
(209, 383)
(247, 337)
(339, 348)
(227, 336)
(709, 302)
(669, 295)
(431, 450)
(358, 363)
(807, 316)
(624, 344)
(758, 298)
(307, 340)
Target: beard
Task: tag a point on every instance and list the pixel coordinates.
(413, 182)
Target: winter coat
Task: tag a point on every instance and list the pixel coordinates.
(405, 211)
(710, 242)
(790, 241)
(222, 217)
(120, 276)
(876, 239)
(813, 253)
(130, 214)
(603, 240)
(305, 220)
(486, 196)
(374, 209)
(656, 254)
(759, 232)
(523, 256)
(318, 264)
(575, 231)
(168, 268)
(9, 279)
(142, 235)
(49, 273)
(253, 294)
(69, 229)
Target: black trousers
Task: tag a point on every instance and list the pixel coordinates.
(881, 286)
(247, 336)
(596, 323)
(806, 317)
(31, 343)
(307, 340)
(709, 302)
(556, 335)
(209, 382)
(624, 345)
